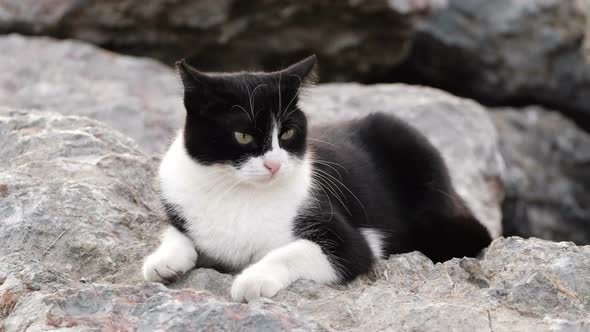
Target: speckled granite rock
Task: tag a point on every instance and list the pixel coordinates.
(76, 196)
(547, 176)
(149, 308)
(245, 34)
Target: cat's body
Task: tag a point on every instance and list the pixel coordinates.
(283, 202)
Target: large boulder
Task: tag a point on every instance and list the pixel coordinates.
(547, 178)
(245, 34)
(75, 196)
(139, 97)
(507, 52)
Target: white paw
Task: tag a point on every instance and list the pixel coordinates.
(165, 266)
(254, 283)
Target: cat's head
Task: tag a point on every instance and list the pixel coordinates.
(247, 123)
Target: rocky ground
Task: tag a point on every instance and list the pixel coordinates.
(79, 211)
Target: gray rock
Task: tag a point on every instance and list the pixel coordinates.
(518, 285)
(77, 198)
(138, 97)
(149, 307)
(228, 32)
(547, 178)
(506, 52)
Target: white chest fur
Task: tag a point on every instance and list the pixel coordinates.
(234, 224)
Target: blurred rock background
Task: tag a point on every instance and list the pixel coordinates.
(78, 210)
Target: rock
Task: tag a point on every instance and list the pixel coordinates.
(506, 52)
(149, 307)
(77, 199)
(138, 97)
(226, 33)
(459, 128)
(547, 178)
(518, 285)
(523, 285)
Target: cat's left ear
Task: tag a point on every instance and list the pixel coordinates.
(305, 71)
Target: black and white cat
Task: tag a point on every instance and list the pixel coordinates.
(249, 187)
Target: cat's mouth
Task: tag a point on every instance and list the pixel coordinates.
(264, 180)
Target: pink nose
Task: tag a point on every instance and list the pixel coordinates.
(272, 166)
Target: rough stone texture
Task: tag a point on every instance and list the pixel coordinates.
(230, 32)
(139, 97)
(150, 307)
(507, 52)
(77, 197)
(519, 285)
(459, 128)
(547, 178)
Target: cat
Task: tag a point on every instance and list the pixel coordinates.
(248, 187)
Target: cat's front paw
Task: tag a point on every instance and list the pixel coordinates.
(254, 283)
(163, 266)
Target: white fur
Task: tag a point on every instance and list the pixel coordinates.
(301, 259)
(236, 216)
(375, 240)
(175, 255)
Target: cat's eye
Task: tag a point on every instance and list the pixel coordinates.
(243, 138)
(288, 134)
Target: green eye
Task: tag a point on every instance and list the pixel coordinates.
(288, 134)
(243, 138)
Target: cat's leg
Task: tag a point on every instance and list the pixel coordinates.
(331, 252)
(175, 256)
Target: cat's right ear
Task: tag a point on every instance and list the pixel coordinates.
(192, 79)
(197, 86)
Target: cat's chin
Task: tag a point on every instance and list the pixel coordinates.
(264, 181)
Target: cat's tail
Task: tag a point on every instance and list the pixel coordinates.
(444, 237)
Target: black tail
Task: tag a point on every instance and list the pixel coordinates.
(444, 238)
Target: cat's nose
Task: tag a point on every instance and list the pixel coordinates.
(272, 166)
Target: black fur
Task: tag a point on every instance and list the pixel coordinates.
(393, 180)
(376, 172)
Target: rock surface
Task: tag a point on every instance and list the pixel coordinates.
(547, 178)
(138, 97)
(507, 52)
(75, 196)
(251, 34)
